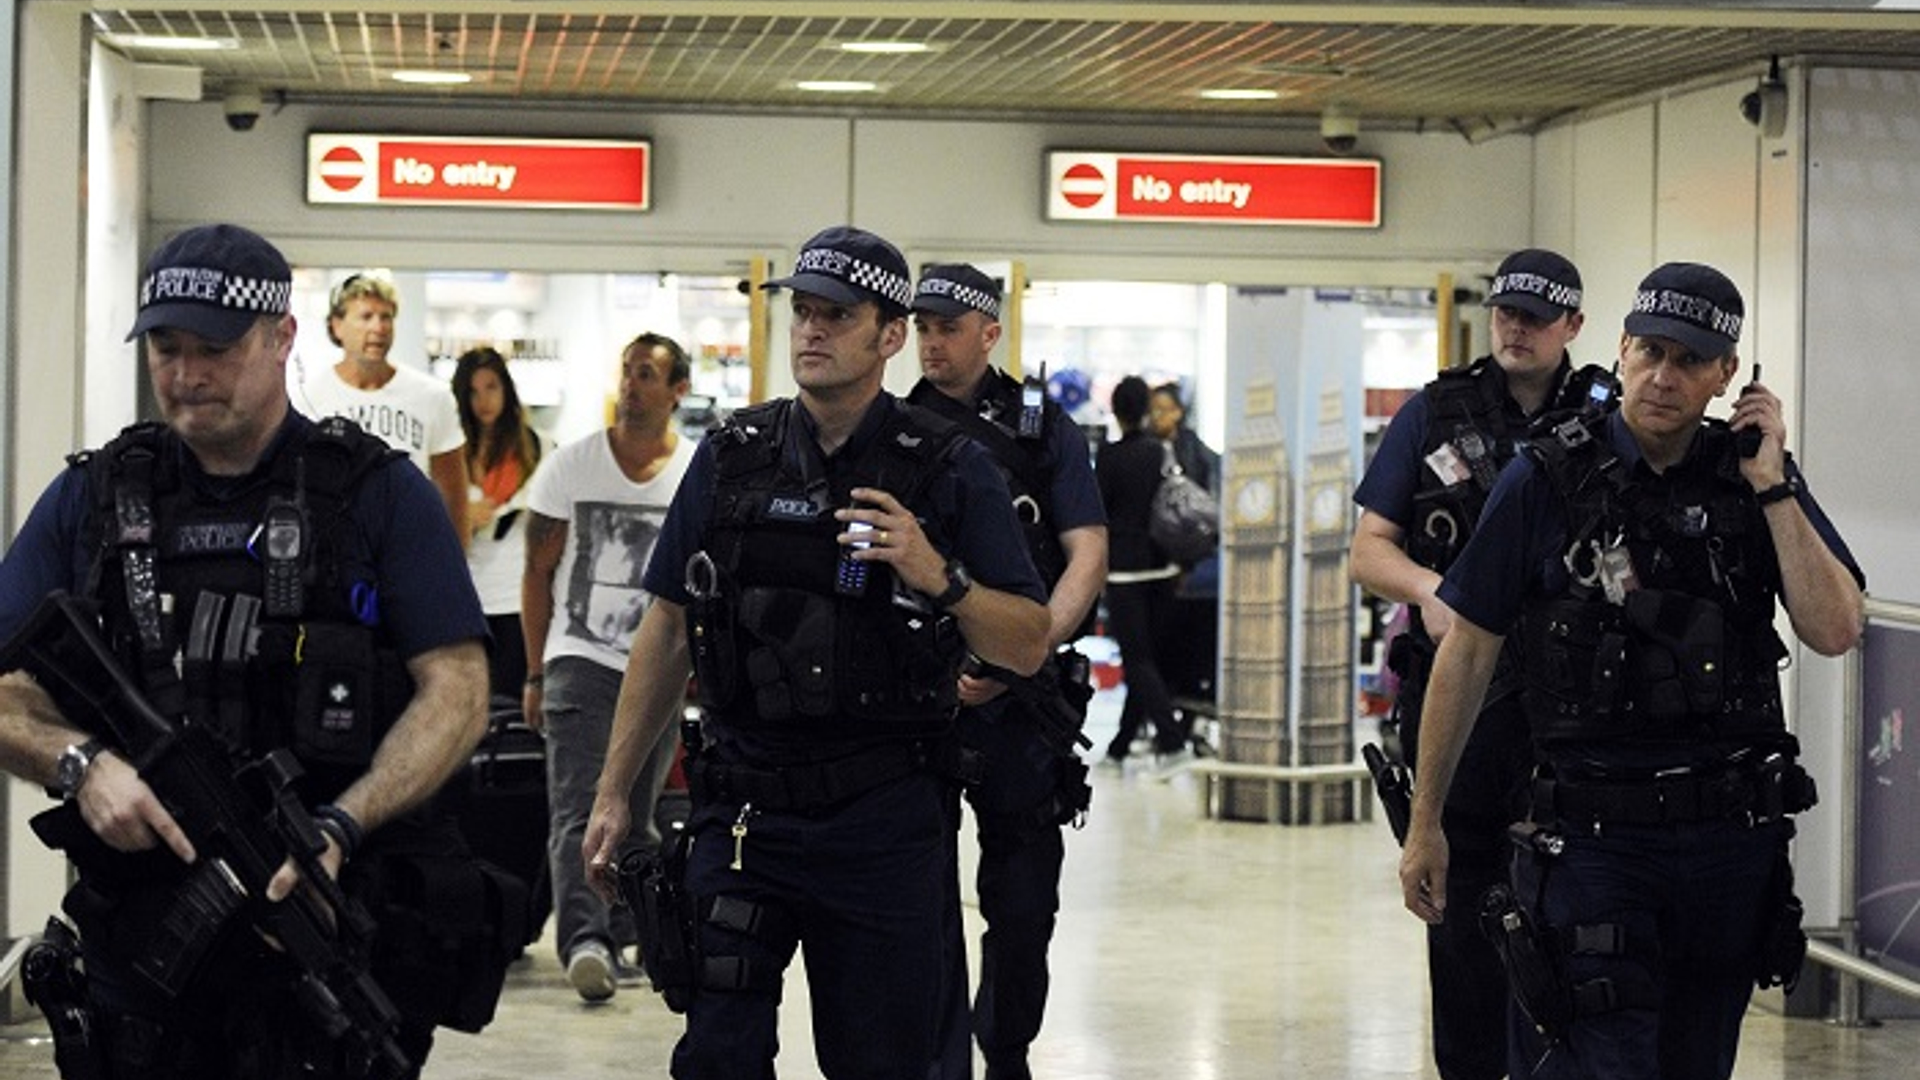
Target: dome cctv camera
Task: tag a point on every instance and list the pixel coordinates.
(1339, 130)
(242, 106)
(1765, 106)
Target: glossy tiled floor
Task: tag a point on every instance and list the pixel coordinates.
(1189, 949)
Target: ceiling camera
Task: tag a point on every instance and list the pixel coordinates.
(1339, 130)
(242, 106)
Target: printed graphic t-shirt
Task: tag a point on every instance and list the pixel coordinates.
(612, 523)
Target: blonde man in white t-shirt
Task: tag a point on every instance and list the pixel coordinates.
(412, 411)
(595, 508)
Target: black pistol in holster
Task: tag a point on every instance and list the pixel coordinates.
(52, 975)
(1057, 697)
(1533, 971)
(1394, 784)
(665, 917)
(244, 823)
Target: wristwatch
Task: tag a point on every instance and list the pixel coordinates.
(959, 583)
(71, 770)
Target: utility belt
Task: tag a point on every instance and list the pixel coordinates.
(809, 786)
(1769, 791)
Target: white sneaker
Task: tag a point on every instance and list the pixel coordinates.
(590, 970)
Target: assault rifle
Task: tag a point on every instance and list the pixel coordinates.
(244, 822)
(1046, 691)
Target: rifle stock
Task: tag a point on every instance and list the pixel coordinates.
(244, 822)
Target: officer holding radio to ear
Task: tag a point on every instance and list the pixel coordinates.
(1637, 557)
(289, 587)
(827, 676)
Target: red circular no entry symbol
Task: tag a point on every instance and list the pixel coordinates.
(1083, 185)
(342, 168)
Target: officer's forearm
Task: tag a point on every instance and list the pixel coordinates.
(1823, 601)
(1461, 673)
(433, 738)
(1004, 629)
(1079, 586)
(32, 733)
(1378, 562)
(652, 693)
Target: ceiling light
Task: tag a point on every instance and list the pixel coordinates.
(175, 44)
(1233, 93)
(891, 48)
(837, 86)
(423, 77)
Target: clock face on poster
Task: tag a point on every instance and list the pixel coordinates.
(1253, 503)
(1327, 508)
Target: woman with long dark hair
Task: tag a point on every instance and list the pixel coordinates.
(502, 452)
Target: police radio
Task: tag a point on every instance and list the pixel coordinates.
(284, 556)
(851, 577)
(1033, 404)
(1747, 440)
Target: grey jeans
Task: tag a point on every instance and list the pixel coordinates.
(578, 701)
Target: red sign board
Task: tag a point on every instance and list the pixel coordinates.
(411, 170)
(1323, 192)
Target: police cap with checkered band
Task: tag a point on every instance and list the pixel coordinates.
(851, 266)
(954, 289)
(215, 281)
(1539, 282)
(1692, 304)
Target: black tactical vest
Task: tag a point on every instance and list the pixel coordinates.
(1469, 417)
(785, 636)
(1690, 652)
(246, 613)
(994, 422)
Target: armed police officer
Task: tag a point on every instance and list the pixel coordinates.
(1420, 498)
(1030, 782)
(281, 584)
(825, 568)
(1637, 556)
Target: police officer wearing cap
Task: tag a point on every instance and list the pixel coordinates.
(353, 639)
(826, 566)
(1030, 782)
(1419, 500)
(1638, 557)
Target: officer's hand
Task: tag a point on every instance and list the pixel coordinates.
(533, 707)
(600, 847)
(1423, 872)
(287, 878)
(1436, 616)
(1757, 407)
(977, 691)
(123, 811)
(896, 540)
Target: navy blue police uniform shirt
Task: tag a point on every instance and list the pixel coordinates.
(403, 545)
(1516, 551)
(1076, 493)
(970, 498)
(1393, 478)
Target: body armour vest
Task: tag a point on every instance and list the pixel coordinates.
(241, 613)
(1664, 630)
(999, 422)
(785, 632)
(1471, 435)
